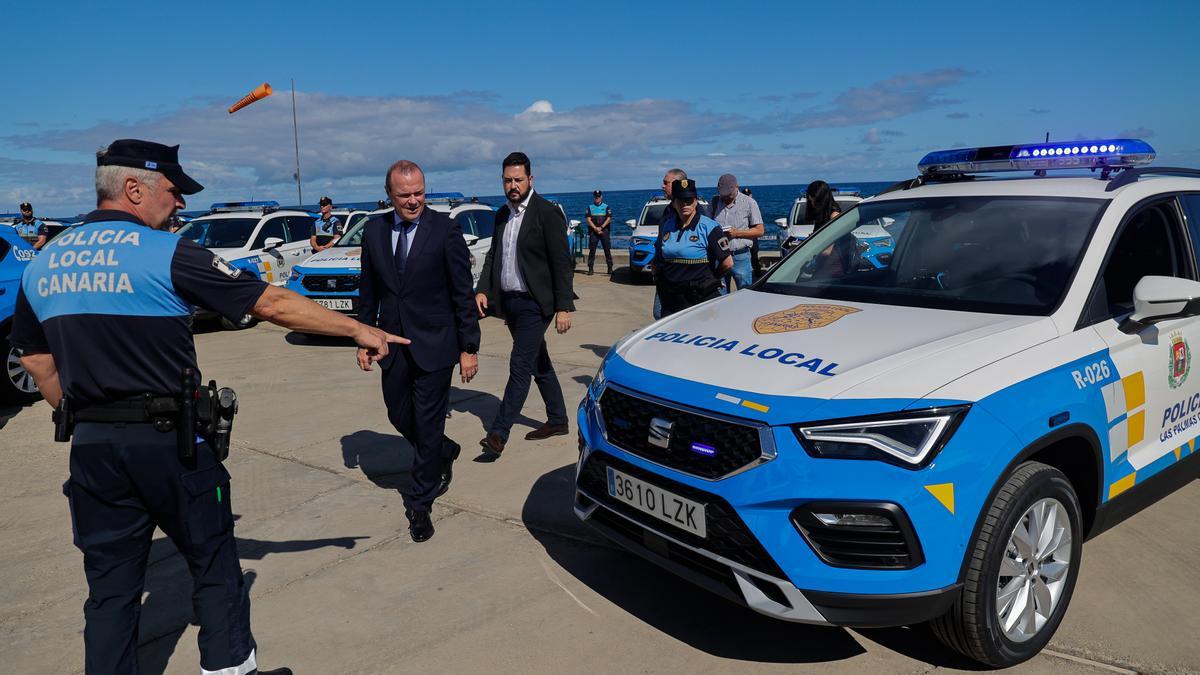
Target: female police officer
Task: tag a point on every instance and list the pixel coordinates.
(690, 254)
(102, 315)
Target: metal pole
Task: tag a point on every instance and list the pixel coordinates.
(296, 138)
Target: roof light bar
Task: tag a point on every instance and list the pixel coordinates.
(243, 206)
(444, 196)
(1114, 153)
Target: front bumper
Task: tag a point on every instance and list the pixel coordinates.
(766, 592)
(640, 258)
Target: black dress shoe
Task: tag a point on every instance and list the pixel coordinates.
(492, 444)
(420, 526)
(276, 671)
(448, 472)
(546, 431)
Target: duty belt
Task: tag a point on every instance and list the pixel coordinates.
(140, 409)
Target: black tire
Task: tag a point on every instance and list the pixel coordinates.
(246, 322)
(15, 383)
(972, 626)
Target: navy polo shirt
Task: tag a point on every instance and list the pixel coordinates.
(689, 254)
(112, 299)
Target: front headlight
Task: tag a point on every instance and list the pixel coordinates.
(596, 388)
(910, 439)
(640, 241)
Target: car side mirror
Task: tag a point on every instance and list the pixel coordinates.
(781, 222)
(272, 242)
(470, 239)
(1159, 299)
(631, 222)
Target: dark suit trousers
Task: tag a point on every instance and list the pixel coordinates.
(529, 359)
(416, 402)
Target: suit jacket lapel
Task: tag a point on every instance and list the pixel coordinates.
(386, 254)
(529, 222)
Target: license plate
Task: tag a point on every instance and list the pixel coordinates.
(345, 304)
(666, 506)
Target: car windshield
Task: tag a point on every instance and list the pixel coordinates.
(800, 213)
(354, 229)
(1004, 255)
(653, 214)
(220, 232)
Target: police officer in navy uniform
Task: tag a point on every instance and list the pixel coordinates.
(326, 229)
(690, 254)
(28, 227)
(598, 217)
(102, 316)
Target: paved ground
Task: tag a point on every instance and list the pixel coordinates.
(511, 582)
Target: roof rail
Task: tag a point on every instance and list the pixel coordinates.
(1131, 175)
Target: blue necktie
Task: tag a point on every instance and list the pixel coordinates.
(402, 247)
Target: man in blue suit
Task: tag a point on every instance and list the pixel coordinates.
(416, 279)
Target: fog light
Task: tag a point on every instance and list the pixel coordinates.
(852, 520)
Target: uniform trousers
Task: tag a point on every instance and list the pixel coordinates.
(593, 240)
(529, 359)
(417, 401)
(677, 297)
(125, 480)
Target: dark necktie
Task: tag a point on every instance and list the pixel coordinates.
(402, 247)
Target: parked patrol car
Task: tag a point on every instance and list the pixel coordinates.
(255, 237)
(645, 231)
(932, 440)
(331, 277)
(16, 385)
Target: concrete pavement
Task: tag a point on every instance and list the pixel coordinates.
(511, 582)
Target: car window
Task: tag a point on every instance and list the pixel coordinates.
(299, 228)
(1005, 255)
(5, 247)
(220, 232)
(466, 223)
(1150, 242)
(1191, 213)
(272, 228)
(485, 223)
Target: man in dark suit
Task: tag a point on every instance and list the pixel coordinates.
(416, 279)
(526, 278)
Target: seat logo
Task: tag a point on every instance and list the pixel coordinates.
(660, 432)
(331, 284)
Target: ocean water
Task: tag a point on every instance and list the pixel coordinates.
(775, 201)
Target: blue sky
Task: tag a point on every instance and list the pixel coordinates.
(602, 94)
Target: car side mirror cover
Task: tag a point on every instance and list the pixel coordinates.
(781, 222)
(272, 242)
(1157, 298)
(470, 239)
(631, 222)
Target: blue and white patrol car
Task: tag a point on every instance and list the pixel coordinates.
(645, 231)
(331, 277)
(16, 385)
(934, 439)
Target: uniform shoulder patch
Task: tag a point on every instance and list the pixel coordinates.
(723, 242)
(225, 268)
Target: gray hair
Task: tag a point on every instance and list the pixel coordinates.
(404, 168)
(110, 180)
(676, 174)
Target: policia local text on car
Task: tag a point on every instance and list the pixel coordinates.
(102, 316)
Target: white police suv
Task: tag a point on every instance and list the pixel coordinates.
(933, 439)
(331, 277)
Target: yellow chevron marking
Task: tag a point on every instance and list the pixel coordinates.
(1178, 451)
(1122, 485)
(1135, 390)
(1135, 428)
(944, 493)
(756, 406)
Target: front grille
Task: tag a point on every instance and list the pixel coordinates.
(878, 547)
(699, 445)
(727, 537)
(319, 283)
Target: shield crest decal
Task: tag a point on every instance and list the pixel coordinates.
(800, 317)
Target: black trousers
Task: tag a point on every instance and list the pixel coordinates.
(125, 480)
(678, 297)
(416, 402)
(602, 238)
(529, 359)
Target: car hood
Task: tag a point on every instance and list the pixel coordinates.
(338, 257)
(647, 231)
(778, 345)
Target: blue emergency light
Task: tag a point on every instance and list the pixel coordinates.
(1105, 154)
(244, 206)
(444, 196)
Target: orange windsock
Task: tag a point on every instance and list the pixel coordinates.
(261, 91)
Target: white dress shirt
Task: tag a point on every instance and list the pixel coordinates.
(511, 280)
